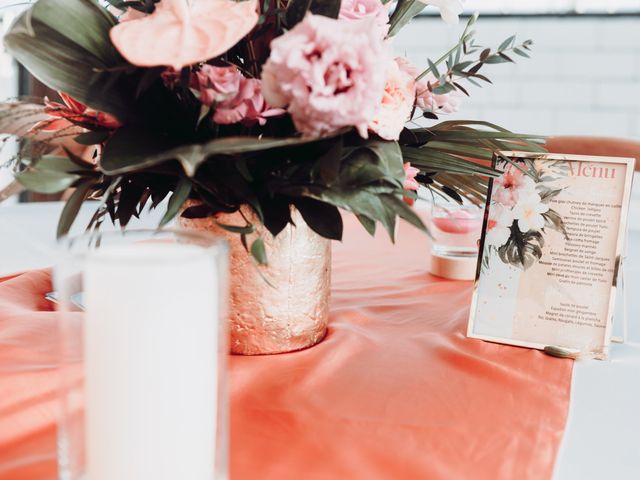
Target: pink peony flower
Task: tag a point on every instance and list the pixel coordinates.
(397, 103)
(360, 9)
(511, 185)
(330, 73)
(425, 98)
(410, 182)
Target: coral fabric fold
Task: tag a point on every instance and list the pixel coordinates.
(395, 391)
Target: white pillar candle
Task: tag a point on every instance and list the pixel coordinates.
(151, 351)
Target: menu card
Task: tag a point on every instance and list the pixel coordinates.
(552, 242)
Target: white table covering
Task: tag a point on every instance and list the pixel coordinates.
(602, 440)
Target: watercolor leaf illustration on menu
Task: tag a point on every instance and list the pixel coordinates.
(273, 105)
(519, 213)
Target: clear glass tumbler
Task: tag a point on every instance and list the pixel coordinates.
(143, 348)
(456, 229)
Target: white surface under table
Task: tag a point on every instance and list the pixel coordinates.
(602, 439)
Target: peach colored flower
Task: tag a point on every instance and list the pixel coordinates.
(329, 73)
(397, 103)
(360, 9)
(179, 33)
(511, 185)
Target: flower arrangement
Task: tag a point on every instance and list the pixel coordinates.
(519, 211)
(273, 104)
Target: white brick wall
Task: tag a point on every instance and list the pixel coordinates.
(583, 77)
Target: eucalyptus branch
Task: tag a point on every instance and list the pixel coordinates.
(464, 38)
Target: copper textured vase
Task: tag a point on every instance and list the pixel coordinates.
(288, 312)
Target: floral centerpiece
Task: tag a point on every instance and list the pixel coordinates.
(252, 116)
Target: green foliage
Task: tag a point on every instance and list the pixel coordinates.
(297, 10)
(459, 67)
(523, 249)
(65, 44)
(403, 13)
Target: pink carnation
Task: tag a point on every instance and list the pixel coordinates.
(397, 103)
(425, 98)
(330, 73)
(360, 9)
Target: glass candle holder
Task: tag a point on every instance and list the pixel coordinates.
(456, 229)
(143, 350)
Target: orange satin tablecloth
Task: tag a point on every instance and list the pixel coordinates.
(395, 391)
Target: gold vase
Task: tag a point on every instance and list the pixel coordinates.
(284, 305)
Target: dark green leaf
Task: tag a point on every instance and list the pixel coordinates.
(368, 224)
(180, 195)
(72, 207)
(245, 230)
(329, 163)
(197, 211)
(66, 45)
(296, 11)
(46, 181)
(92, 137)
(132, 149)
(258, 251)
(322, 218)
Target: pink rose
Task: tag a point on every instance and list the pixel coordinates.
(360, 9)
(397, 103)
(216, 84)
(425, 99)
(410, 182)
(329, 73)
(247, 106)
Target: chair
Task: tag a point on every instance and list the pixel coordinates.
(608, 147)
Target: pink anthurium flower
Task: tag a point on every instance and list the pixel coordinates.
(179, 33)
